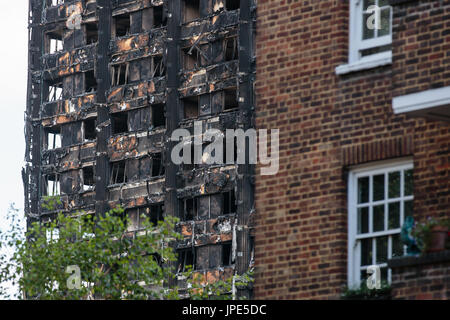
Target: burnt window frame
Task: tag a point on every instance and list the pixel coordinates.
(91, 32)
(227, 254)
(87, 136)
(56, 132)
(121, 18)
(114, 126)
(158, 67)
(183, 209)
(116, 168)
(149, 212)
(57, 35)
(195, 99)
(52, 92)
(231, 53)
(184, 255)
(89, 85)
(88, 187)
(159, 17)
(233, 92)
(157, 171)
(229, 201)
(158, 112)
(195, 11)
(117, 70)
(56, 189)
(193, 58)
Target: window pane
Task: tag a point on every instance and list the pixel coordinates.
(363, 276)
(363, 220)
(394, 215)
(397, 246)
(366, 252)
(384, 274)
(385, 22)
(367, 33)
(363, 190)
(408, 182)
(378, 218)
(382, 249)
(408, 208)
(382, 3)
(394, 184)
(378, 187)
(368, 3)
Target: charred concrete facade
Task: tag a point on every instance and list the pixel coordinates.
(109, 81)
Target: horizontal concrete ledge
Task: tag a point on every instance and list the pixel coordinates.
(421, 100)
(369, 62)
(429, 258)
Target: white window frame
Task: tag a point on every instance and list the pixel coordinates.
(431, 103)
(354, 244)
(356, 44)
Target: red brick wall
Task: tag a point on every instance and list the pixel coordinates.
(326, 123)
(417, 278)
(421, 46)
(421, 61)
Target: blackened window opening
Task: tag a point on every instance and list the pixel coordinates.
(89, 128)
(91, 33)
(233, 4)
(158, 168)
(229, 202)
(186, 258)
(160, 19)
(88, 178)
(226, 254)
(158, 116)
(90, 82)
(120, 123)
(122, 25)
(119, 172)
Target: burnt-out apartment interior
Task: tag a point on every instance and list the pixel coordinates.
(105, 93)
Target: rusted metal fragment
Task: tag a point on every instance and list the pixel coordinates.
(209, 75)
(206, 232)
(124, 6)
(73, 109)
(212, 24)
(79, 59)
(152, 191)
(61, 12)
(122, 146)
(212, 276)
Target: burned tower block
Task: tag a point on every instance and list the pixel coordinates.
(109, 81)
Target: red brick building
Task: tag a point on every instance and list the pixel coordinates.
(364, 121)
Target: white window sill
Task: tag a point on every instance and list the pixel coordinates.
(369, 62)
(433, 103)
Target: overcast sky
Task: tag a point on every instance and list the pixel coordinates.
(13, 89)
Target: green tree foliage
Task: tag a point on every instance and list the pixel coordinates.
(113, 262)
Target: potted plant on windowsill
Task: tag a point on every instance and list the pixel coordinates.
(432, 235)
(364, 293)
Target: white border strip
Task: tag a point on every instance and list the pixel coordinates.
(421, 100)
